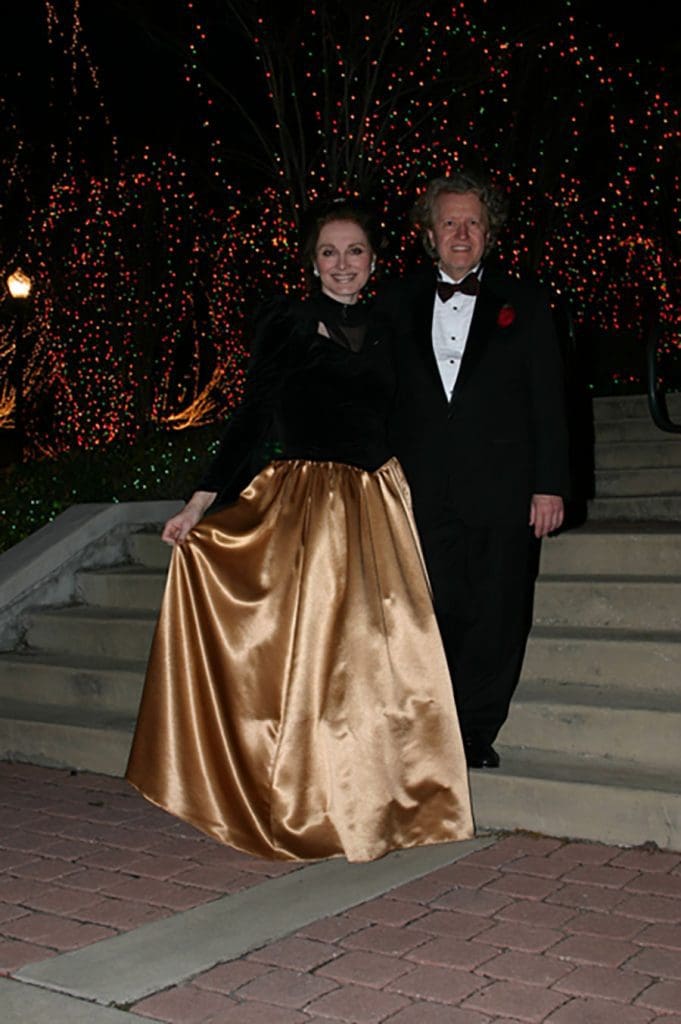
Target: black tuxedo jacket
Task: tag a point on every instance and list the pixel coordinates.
(502, 437)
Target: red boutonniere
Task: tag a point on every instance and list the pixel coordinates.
(506, 316)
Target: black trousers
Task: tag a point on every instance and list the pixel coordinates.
(483, 585)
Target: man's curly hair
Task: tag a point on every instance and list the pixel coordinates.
(460, 182)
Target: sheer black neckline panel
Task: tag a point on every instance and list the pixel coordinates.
(345, 323)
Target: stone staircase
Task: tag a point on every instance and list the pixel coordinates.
(69, 696)
(592, 747)
(637, 466)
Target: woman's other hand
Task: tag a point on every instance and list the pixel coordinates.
(178, 526)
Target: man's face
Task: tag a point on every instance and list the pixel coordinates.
(459, 233)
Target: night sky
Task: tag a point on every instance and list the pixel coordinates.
(139, 47)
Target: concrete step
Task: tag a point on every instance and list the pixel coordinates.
(601, 547)
(92, 632)
(632, 407)
(72, 680)
(638, 482)
(601, 678)
(635, 429)
(560, 795)
(636, 661)
(128, 587)
(641, 508)
(660, 453)
(614, 548)
(65, 737)
(596, 722)
(147, 549)
(633, 602)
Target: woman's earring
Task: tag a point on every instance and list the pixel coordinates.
(373, 265)
(315, 271)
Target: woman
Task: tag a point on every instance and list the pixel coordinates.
(297, 702)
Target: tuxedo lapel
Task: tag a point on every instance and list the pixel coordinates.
(483, 326)
(423, 320)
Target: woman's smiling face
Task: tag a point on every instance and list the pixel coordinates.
(343, 258)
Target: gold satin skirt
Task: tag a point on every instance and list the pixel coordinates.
(297, 703)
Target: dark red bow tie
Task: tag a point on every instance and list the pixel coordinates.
(469, 286)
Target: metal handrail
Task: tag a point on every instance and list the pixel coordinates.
(657, 397)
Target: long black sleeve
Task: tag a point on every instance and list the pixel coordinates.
(232, 468)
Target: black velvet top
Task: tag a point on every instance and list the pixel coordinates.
(310, 396)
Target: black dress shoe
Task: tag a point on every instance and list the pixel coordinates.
(479, 753)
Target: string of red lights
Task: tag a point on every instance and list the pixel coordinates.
(144, 284)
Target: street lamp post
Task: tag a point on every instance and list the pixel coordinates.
(19, 286)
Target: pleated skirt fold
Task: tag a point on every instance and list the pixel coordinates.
(297, 703)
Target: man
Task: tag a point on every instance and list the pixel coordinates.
(480, 431)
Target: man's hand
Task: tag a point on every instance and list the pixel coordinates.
(546, 513)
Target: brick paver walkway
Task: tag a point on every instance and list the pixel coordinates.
(84, 857)
(529, 929)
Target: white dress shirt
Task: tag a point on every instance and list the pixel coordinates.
(451, 324)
